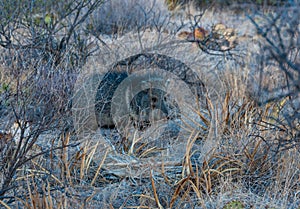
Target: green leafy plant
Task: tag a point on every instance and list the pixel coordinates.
(235, 204)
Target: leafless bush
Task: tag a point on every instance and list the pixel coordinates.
(279, 58)
(42, 48)
(53, 32)
(119, 17)
(280, 46)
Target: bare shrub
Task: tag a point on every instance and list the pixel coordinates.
(279, 68)
(41, 52)
(119, 17)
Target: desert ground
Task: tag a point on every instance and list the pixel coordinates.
(159, 104)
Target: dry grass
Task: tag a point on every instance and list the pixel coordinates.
(247, 166)
(250, 160)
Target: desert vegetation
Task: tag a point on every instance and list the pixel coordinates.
(149, 104)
